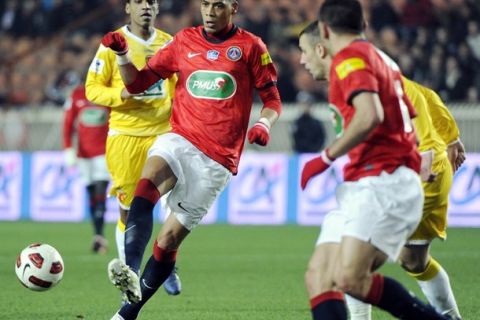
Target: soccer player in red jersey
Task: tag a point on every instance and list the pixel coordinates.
(91, 124)
(380, 204)
(218, 65)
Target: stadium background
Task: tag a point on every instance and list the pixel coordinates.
(45, 48)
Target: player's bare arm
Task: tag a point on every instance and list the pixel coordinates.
(135, 81)
(368, 115)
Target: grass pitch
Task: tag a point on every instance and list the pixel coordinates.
(228, 273)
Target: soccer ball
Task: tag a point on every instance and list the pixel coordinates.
(39, 267)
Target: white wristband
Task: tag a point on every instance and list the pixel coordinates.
(123, 59)
(266, 122)
(326, 158)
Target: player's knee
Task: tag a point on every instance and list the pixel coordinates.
(351, 282)
(413, 262)
(316, 281)
(168, 240)
(310, 277)
(414, 265)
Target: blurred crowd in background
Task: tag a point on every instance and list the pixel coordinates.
(47, 45)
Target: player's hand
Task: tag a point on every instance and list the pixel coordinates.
(70, 157)
(260, 132)
(456, 154)
(315, 167)
(426, 173)
(115, 41)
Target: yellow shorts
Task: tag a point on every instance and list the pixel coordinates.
(434, 219)
(126, 156)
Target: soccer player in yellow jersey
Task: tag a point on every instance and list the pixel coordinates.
(135, 120)
(442, 154)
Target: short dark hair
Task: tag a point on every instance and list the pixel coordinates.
(311, 30)
(344, 16)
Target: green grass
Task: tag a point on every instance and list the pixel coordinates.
(228, 273)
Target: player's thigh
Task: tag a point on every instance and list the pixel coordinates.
(382, 210)
(126, 156)
(205, 179)
(199, 178)
(434, 217)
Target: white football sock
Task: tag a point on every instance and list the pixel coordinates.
(357, 309)
(439, 293)
(120, 239)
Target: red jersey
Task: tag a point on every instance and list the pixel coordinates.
(214, 92)
(91, 121)
(358, 68)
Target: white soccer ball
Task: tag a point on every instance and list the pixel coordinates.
(39, 267)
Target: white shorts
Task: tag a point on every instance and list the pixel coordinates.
(199, 178)
(383, 210)
(93, 169)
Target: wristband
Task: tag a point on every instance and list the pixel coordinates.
(265, 122)
(123, 59)
(326, 158)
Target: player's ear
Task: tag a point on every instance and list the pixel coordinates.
(127, 7)
(320, 50)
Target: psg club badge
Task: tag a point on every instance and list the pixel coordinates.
(234, 53)
(212, 55)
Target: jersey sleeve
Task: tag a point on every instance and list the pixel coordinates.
(165, 63)
(99, 77)
(354, 75)
(70, 116)
(263, 69)
(442, 119)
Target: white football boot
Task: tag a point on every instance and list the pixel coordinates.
(125, 279)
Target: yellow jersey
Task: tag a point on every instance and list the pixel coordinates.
(434, 124)
(442, 119)
(145, 115)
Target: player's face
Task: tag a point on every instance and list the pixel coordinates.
(217, 14)
(142, 12)
(311, 58)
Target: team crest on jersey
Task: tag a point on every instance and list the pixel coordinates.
(212, 55)
(234, 53)
(215, 85)
(97, 65)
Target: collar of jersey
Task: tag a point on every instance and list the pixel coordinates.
(137, 38)
(221, 39)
